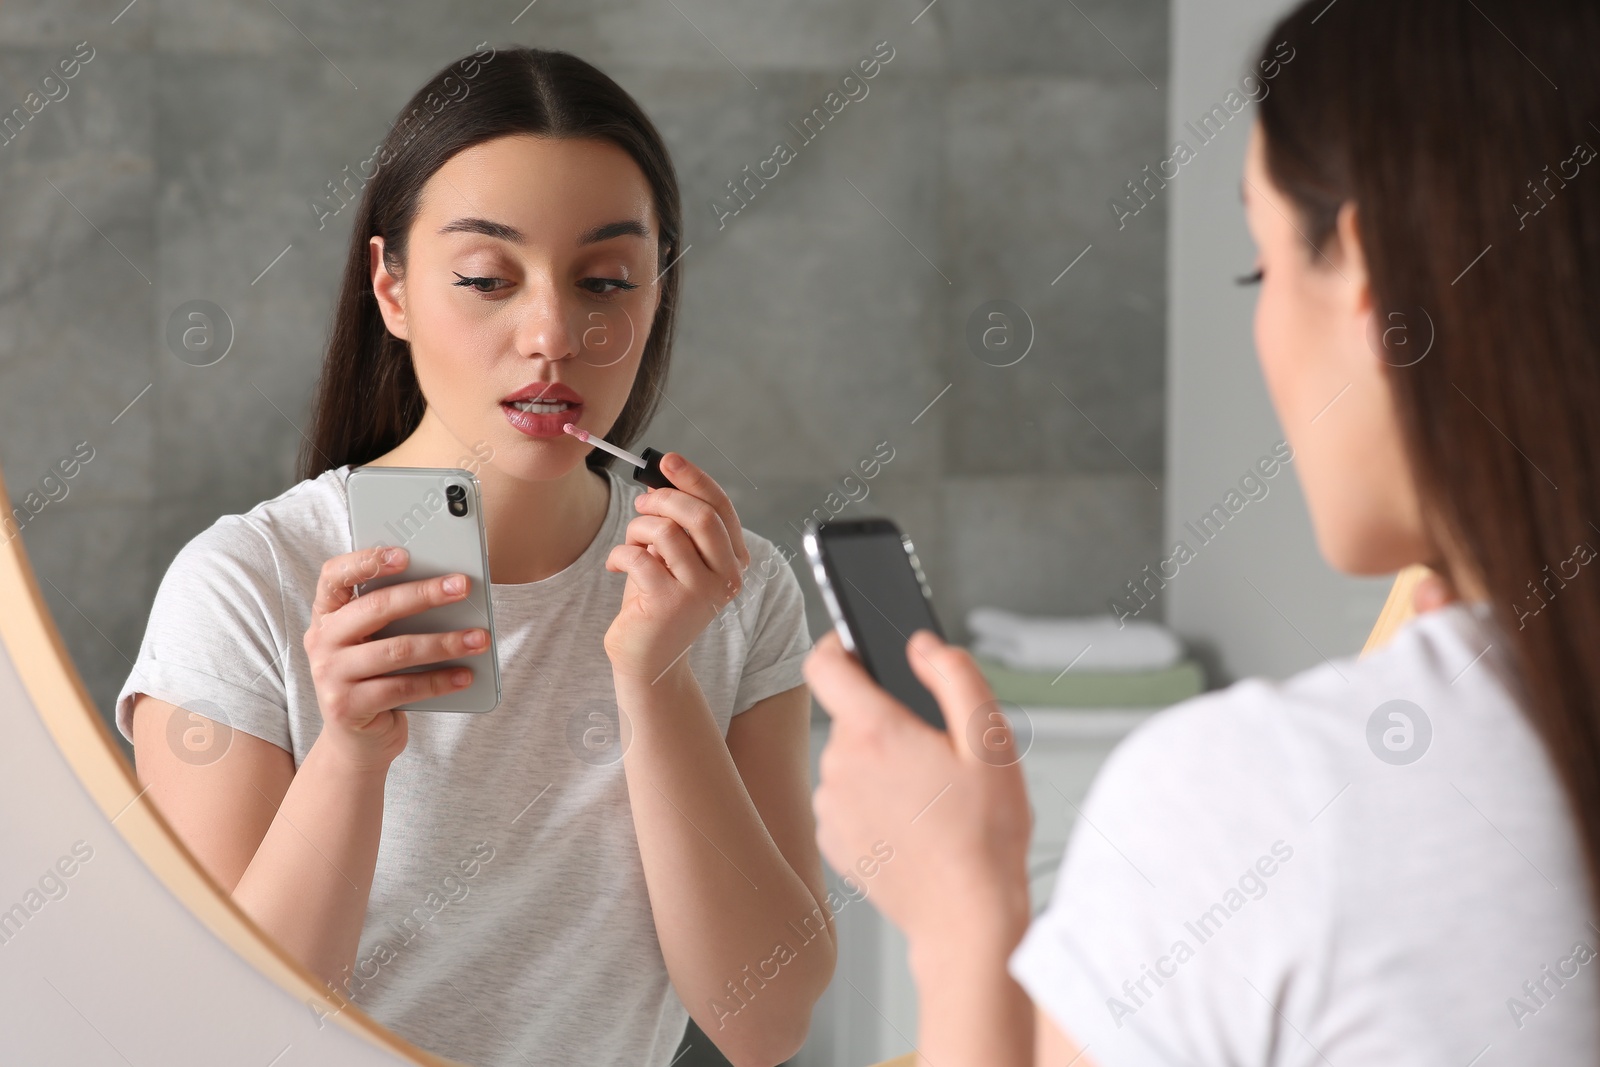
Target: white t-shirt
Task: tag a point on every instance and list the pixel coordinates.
(508, 921)
(1261, 878)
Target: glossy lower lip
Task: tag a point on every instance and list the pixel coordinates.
(542, 425)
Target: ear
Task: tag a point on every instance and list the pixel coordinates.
(1351, 259)
(388, 289)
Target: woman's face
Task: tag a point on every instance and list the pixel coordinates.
(1324, 363)
(531, 266)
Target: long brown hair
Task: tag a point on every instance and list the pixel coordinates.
(368, 400)
(1465, 134)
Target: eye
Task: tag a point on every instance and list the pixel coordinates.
(621, 285)
(1252, 278)
(475, 282)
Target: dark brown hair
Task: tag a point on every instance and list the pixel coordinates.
(1465, 135)
(368, 400)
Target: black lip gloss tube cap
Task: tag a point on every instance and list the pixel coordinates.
(650, 474)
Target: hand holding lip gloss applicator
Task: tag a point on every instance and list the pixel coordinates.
(648, 466)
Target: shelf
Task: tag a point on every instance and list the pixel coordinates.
(1084, 724)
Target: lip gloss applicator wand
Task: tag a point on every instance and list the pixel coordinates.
(647, 467)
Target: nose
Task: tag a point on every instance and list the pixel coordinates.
(547, 327)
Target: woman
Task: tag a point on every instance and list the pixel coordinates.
(491, 886)
(1389, 860)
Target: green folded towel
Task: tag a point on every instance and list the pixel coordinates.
(1096, 689)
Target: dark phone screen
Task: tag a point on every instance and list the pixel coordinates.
(883, 606)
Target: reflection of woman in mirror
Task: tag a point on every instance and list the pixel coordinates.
(1382, 860)
(497, 888)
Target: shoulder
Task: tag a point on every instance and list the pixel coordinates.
(1292, 745)
(302, 523)
(1329, 837)
(309, 513)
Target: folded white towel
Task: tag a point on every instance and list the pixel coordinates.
(1091, 643)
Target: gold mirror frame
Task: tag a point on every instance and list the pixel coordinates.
(84, 739)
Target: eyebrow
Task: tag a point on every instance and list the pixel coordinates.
(505, 232)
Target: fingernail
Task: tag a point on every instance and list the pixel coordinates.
(454, 584)
(673, 462)
(476, 638)
(461, 677)
(393, 555)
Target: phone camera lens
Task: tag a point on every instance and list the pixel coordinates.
(455, 492)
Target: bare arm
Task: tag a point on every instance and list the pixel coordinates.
(296, 850)
(970, 1010)
(723, 824)
(958, 814)
(732, 866)
(1052, 1048)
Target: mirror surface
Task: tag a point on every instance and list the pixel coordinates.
(902, 288)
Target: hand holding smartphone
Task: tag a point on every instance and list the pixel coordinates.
(436, 515)
(875, 591)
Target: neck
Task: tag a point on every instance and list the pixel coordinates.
(534, 528)
(1450, 561)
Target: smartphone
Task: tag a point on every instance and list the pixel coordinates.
(436, 515)
(874, 588)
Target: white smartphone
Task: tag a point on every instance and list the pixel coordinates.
(436, 515)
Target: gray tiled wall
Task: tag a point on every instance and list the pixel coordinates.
(821, 320)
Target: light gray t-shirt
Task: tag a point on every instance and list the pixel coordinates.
(508, 922)
(1370, 863)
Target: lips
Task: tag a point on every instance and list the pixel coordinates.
(566, 405)
(546, 391)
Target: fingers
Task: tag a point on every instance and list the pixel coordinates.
(376, 609)
(647, 571)
(669, 542)
(953, 677)
(386, 692)
(849, 694)
(341, 574)
(371, 659)
(695, 482)
(704, 525)
(350, 676)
